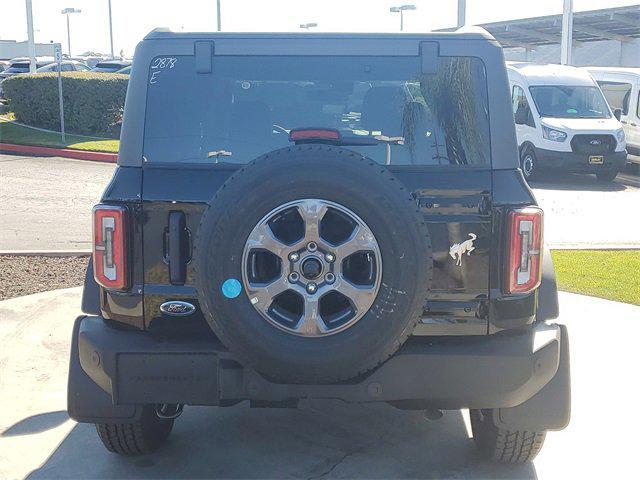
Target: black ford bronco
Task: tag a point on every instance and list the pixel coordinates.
(319, 216)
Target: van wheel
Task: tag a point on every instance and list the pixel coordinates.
(607, 175)
(528, 163)
(144, 436)
(504, 446)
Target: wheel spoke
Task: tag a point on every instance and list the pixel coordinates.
(360, 240)
(261, 296)
(312, 212)
(311, 324)
(263, 237)
(361, 296)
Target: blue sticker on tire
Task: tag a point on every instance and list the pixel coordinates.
(231, 288)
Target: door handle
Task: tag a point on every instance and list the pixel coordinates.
(178, 248)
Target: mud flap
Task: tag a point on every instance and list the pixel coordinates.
(548, 291)
(550, 408)
(86, 401)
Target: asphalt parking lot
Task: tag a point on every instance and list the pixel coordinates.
(320, 439)
(52, 211)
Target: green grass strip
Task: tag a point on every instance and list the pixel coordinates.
(610, 274)
(21, 135)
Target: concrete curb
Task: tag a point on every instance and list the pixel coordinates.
(59, 152)
(47, 253)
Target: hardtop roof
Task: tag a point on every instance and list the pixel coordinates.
(465, 34)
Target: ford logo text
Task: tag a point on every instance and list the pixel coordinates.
(177, 308)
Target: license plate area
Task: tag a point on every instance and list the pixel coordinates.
(596, 159)
(167, 378)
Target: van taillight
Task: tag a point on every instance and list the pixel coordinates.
(524, 257)
(109, 253)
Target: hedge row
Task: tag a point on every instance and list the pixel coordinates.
(93, 102)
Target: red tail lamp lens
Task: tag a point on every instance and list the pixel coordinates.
(109, 253)
(524, 258)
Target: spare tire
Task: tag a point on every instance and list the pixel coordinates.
(312, 264)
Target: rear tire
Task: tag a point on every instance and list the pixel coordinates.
(139, 438)
(607, 175)
(504, 446)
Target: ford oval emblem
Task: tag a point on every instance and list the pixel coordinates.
(177, 308)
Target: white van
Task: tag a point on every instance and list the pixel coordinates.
(563, 122)
(621, 88)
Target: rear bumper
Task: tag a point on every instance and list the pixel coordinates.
(578, 162)
(128, 368)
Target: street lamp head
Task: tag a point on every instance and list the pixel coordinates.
(401, 8)
(70, 10)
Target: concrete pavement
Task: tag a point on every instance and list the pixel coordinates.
(45, 202)
(320, 439)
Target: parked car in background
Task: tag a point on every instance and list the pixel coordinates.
(621, 88)
(125, 70)
(3, 65)
(563, 122)
(65, 66)
(111, 66)
(21, 65)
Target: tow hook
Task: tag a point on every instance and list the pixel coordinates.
(169, 410)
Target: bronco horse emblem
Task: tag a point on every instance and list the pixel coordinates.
(457, 250)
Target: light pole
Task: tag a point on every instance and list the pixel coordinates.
(67, 12)
(219, 19)
(462, 13)
(307, 26)
(32, 44)
(110, 30)
(567, 33)
(401, 9)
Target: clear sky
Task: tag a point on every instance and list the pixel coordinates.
(132, 19)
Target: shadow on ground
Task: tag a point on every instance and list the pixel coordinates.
(327, 439)
(36, 424)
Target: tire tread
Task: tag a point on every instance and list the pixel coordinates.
(502, 445)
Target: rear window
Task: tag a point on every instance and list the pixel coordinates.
(18, 68)
(248, 106)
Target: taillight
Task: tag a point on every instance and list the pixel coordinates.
(524, 257)
(109, 253)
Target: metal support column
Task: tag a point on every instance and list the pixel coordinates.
(567, 33)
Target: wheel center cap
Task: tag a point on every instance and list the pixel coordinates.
(311, 268)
